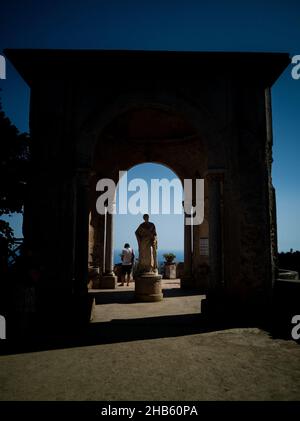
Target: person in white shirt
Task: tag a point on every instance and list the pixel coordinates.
(127, 257)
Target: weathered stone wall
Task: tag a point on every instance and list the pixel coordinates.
(49, 208)
(221, 124)
(246, 201)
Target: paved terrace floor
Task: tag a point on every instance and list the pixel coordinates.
(155, 351)
(119, 304)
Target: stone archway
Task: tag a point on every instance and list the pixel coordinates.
(229, 110)
(154, 189)
(145, 134)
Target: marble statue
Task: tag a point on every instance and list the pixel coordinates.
(147, 242)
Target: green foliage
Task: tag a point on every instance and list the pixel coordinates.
(7, 241)
(14, 166)
(169, 257)
(6, 231)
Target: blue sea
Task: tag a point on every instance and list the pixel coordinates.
(178, 253)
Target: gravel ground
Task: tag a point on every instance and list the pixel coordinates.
(172, 364)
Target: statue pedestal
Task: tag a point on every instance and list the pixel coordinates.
(148, 287)
(170, 271)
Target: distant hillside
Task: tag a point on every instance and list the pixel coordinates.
(290, 260)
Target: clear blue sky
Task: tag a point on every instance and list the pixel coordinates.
(170, 228)
(172, 25)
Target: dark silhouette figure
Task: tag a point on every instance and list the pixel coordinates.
(127, 257)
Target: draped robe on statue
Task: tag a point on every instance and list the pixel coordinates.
(147, 242)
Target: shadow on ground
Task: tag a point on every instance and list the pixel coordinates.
(66, 332)
(123, 297)
(121, 330)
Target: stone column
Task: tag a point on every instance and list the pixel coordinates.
(196, 253)
(187, 274)
(94, 249)
(91, 240)
(272, 192)
(215, 180)
(109, 280)
(196, 244)
(81, 231)
(103, 254)
(99, 242)
(109, 252)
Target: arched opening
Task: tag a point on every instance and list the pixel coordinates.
(148, 134)
(156, 190)
(155, 149)
(162, 200)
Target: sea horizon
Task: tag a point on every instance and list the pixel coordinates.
(178, 253)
